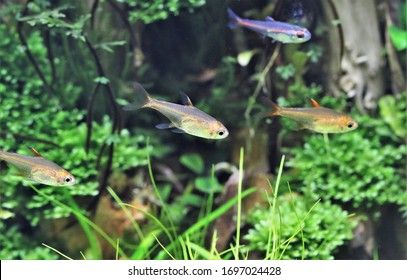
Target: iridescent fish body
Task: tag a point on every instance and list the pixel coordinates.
(39, 169)
(183, 118)
(279, 31)
(317, 118)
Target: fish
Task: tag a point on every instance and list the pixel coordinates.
(39, 169)
(277, 30)
(184, 118)
(318, 119)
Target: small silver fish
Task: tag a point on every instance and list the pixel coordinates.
(184, 118)
(39, 169)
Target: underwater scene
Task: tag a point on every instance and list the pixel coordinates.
(203, 130)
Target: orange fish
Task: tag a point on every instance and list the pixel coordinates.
(39, 169)
(317, 118)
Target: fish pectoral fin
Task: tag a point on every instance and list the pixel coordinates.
(185, 99)
(164, 126)
(36, 153)
(177, 130)
(298, 127)
(269, 19)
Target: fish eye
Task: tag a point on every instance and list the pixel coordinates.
(350, 125)
(68, 179)
(300, 35)
(221, 132)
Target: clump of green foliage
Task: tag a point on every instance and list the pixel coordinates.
(304, 231)
(150, 11)
(17, 246)
(50, 122)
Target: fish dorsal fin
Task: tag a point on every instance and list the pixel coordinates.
(36, 153)
(185, 99)
(269, 19)
(314, 103)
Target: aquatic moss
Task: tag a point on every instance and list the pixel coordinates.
(364, 168)
(324, 229)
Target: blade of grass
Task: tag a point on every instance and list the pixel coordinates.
(218, 212)
(298, 219)
(164, 248)
(163, 204)
(117, 248)
(239, 203)
(147, 242)
(211, 217)
(93, 241)
(56, 251)
(205, 254)
(273, 233)
(79, 214)
(127, 212)
(300, 227)
(154, 219)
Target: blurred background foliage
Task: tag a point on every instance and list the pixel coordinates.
(67, 67)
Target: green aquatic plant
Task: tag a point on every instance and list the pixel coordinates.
(344, 172)
(306, 230)
(151, 11)
(16, 245)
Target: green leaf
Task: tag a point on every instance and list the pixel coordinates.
(399, 37)
(193, 161)
(102, 80)
(392, 115)
(207, 185)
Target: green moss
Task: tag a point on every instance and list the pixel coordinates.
(300, 236)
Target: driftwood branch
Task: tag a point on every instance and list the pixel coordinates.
(28, 52)
(359, 71)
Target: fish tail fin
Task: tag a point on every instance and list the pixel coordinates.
(233, 19)
(142, 99)
(275, 109)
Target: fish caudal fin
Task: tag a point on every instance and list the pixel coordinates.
(142, 99)
(233, 19)
(275, 109)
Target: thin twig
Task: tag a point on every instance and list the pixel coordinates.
(92, 13)
(28, 52)
(123, 16)
(30, 138)
(50, 56)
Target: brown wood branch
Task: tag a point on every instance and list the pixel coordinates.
(92, 13)
(89, 115)
(50, 56)
(123, 16)
(28, 52)
(30, 138)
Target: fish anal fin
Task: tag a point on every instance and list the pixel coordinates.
(269, 18)
(164, 126)
(177, 130)
(185, 99)
(36, 153)
(314, 103)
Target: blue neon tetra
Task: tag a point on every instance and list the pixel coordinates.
(279, 31)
